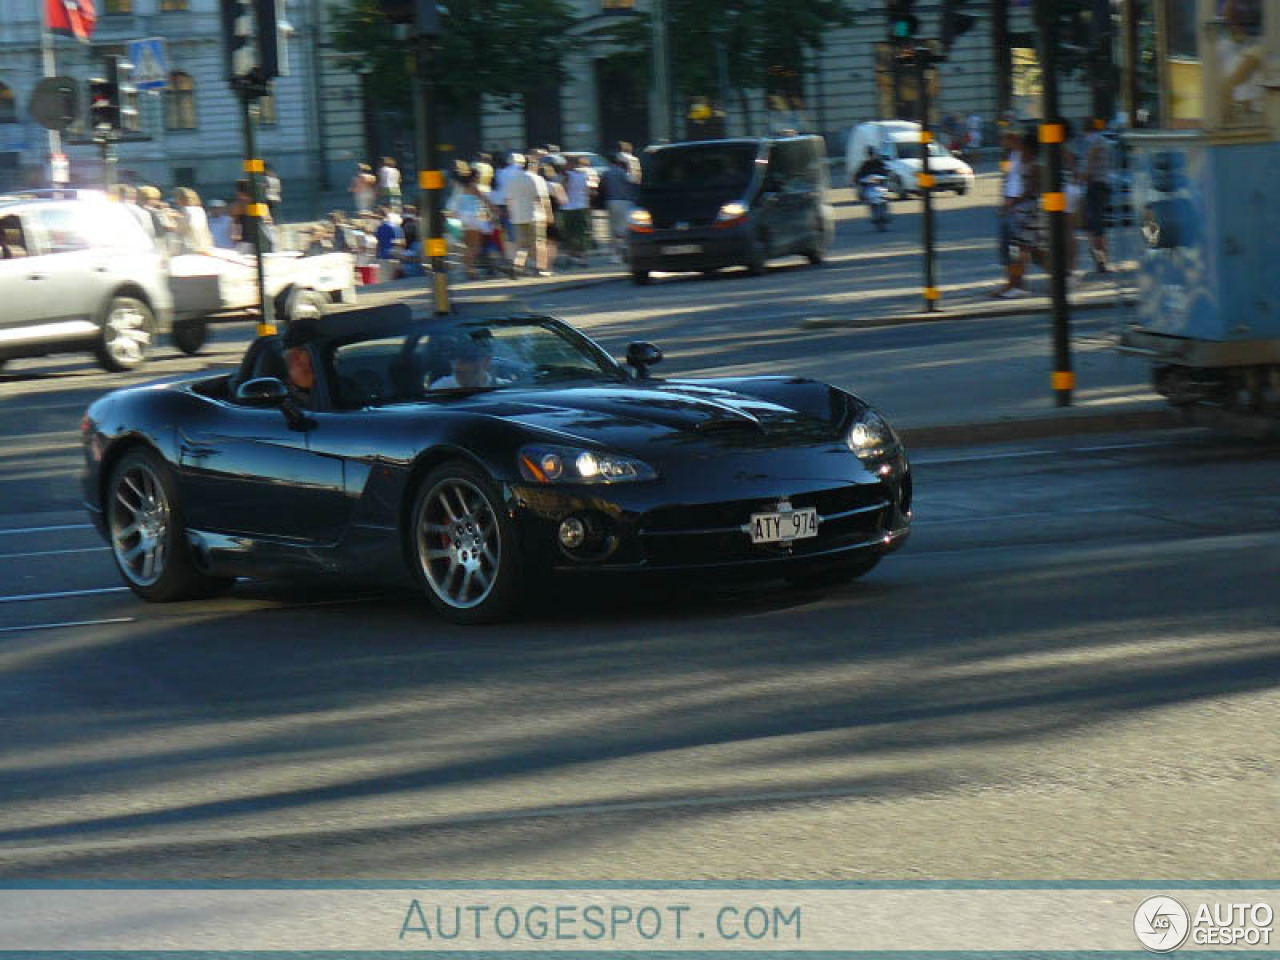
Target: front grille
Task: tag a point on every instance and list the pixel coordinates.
(713, 533)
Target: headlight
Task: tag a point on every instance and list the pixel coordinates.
(870, 438)
(732, 211)
(640, 220)
(548, 464)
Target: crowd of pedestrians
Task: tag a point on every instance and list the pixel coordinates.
(184, 225)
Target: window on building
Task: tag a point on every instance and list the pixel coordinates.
(8, 105)
(180, 102)
(117, 6)
(170, 6)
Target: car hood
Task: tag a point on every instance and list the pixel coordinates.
(670, 207)
(656, 418)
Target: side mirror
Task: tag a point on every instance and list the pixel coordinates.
(262, 392)
(641, 356)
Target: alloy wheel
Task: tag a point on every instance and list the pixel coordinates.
(139, 524)
(127, 333)
(459, 543)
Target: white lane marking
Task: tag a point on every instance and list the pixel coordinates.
(982, 458)
(62, 594)
(62, 526)
(52, 553)
(1127, 446)
(66, 623)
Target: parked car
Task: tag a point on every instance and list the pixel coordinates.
(475, 453)
(720, 203)
(79, 273)
(898, 142)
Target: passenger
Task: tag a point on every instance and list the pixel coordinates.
(470, 367)
(11, 241)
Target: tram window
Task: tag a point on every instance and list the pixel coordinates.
(1240, 60)
(1180, 29)
(1185, 94)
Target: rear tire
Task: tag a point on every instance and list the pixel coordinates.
(128, 330)
(639, 277)
(463, 547)
(755, 258)
(191, 337)
(147, 534)
(832, 573)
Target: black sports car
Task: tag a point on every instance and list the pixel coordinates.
(473, 453)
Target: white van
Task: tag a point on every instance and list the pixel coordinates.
(898, 142)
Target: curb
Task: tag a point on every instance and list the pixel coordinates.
(1018, 308)
(1038, 428)
(511, 288)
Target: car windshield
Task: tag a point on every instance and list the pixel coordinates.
(907, 150)
(713, 166)
(465, 356)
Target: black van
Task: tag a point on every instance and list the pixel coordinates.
(722, 203)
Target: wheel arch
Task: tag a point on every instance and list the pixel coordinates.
(114, 453)
(126, 289)
(427, 461)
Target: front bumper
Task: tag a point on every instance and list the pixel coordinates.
(643, 531)
(670, 249)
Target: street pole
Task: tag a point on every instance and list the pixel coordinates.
(1054, 202)
(1131, 62)
(923, 59)
(249, 89)
(430, 179)
(107, 144)
(662, 80)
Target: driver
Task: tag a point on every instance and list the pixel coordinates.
(297, 358)
(470, 364)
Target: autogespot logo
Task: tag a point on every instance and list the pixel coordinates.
(1161, 924)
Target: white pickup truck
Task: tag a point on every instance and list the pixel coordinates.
(223, 285)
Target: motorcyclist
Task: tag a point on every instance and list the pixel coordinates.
(873, 166)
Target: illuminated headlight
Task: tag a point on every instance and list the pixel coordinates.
(570, 465)
(732, 211)
(640, 219)
(871, 438)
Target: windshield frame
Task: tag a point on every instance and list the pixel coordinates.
(413, 336)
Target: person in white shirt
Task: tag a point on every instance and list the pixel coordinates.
(529, 207)
(192, 224)
(577, 210)
(220, 226)
(389, 184)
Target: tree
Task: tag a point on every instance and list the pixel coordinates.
(498, 48)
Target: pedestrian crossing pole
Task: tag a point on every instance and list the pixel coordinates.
(435, 247)
(1053, 201)
(923, 60)
(250, 88)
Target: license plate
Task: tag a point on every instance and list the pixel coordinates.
(681, 249)
(783, 526)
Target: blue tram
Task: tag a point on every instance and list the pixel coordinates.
(1206, 195)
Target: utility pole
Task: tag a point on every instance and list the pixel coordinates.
(1054, 202)
(1003, 58)
(430, 177)
(923, 60)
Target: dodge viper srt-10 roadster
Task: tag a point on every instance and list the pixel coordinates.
(475, 453)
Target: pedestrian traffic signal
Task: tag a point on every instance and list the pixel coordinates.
(424, 15)
(251, 38)
(1072, 33)
(954, 22)
(104, 106)
(903, 24)
(120, 76)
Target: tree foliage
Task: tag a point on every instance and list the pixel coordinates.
(500, 48)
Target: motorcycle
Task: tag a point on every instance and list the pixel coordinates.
(875, 194)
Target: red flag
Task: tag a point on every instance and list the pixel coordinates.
(73, 18)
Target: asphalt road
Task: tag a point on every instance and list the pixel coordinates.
(1070, 671)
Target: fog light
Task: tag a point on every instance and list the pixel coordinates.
(573, 533)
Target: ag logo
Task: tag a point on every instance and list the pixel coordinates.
(1161, 924)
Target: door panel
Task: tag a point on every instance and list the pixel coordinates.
(245, 470)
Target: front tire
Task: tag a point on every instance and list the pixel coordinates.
(463, 546)
(832, 573)
(147, 533)
(755, 258)
(128, 330)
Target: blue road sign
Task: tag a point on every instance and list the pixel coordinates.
(150, 64)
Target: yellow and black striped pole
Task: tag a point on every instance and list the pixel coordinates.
(435, 248)
(255, 215)
(924, 59)
(1054, 203)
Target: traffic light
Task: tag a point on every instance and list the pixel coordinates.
(251, 38)
(1073, 28)
(954, 22)
(424, 15)
(104, 106)
(120, 77)
(903, 24)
